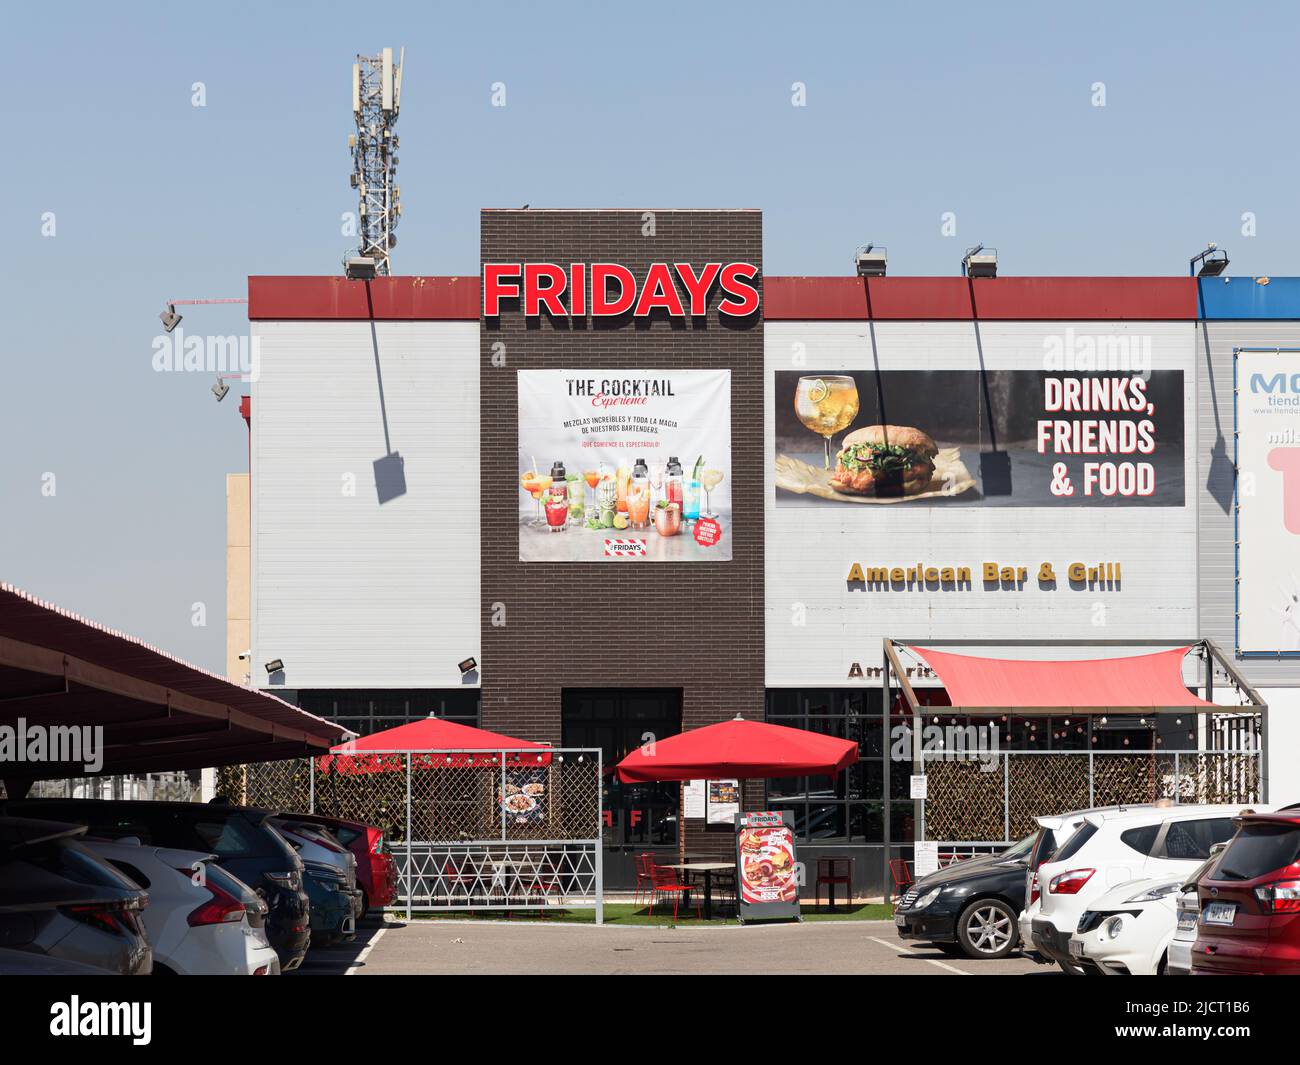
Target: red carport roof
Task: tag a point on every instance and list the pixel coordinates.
(744, 750)
(157, 712)
(1137, 682)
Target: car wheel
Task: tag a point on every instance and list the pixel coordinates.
(988, 928)
(365, 903)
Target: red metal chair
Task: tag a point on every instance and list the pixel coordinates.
(663, 881)
(901, 871)
(832, 871)
(644, 863)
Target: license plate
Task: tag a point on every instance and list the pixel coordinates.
(1187, 921)
(1076, 948)
(1220, 913)
(900, 921)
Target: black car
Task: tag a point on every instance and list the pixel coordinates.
(246, 846)
(971, 907)
(63, 903)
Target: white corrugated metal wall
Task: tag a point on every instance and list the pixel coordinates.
(816, 627)
(348, 591)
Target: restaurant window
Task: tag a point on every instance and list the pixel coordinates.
(849, 807)
(369, 710)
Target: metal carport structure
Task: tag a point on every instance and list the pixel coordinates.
(1134, 684)
(61, 671)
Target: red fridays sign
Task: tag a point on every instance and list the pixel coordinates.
(615, 290)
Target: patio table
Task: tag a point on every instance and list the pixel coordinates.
(707, 869)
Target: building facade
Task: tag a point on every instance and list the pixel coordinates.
(401, 430)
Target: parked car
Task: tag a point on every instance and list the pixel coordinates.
(330, 879)
(246, 847)
(970, 907)
(1054, 832)
(59, 900)
(24, 963)
(376, 869)
(1113, 847)
(1126, 932)
(200, 920)
(1188, 913)
(1250, 900)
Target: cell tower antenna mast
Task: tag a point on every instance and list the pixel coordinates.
(376, 100)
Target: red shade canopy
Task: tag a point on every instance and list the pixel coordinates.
(1137, 682)
(745, 750)
(431, 734)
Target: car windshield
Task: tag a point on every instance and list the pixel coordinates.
(1259, 849)
(1019, 849)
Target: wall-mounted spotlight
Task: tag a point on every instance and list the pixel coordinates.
(169, 318)
(276, 665)
(980, 261)
(1209, 263)
(467, 666)
(220, 389)
(870, 260)
(360, 268)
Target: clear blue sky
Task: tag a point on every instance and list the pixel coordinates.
(912, 110)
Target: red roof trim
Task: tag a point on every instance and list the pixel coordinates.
(457, 299)
(995, 299)
(454, 299)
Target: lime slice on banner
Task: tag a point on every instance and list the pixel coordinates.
(817, 391)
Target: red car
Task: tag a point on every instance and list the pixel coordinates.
(1250, 900)
(376, 869)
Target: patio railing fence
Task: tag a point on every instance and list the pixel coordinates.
(469, 830)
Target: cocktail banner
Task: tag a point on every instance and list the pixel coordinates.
(623, 466)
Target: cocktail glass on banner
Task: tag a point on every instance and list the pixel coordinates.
(557, 510)
(624, 479)
(826, 405)
(709, 479)
(638, 502)
(668, 518)
(535, 484)
(592, 477)
(691, 500)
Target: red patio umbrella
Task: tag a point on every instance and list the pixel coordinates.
(745, 750)
(742, 749)
(472, 746)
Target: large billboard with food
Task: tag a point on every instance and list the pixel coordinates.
(970, 437)
(1268, 502)
(624, 465)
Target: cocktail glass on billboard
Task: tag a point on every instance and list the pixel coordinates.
(826, 405)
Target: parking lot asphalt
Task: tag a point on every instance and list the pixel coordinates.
(507, 948)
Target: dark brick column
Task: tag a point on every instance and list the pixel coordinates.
(694, 626)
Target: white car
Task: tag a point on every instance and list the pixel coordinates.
(200, 920)
(1110, 848)
(1126, 932)
(1053, 833)
(1188, 913)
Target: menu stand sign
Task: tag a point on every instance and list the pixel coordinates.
(767, 872)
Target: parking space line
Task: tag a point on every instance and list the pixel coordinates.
(360, 958)
(914, 954)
